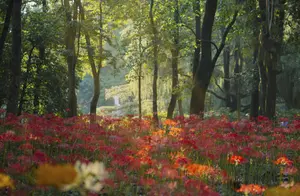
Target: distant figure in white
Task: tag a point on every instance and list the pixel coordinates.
(117, 104)
(116, 101)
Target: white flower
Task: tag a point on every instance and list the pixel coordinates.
(92, 175)
(92, 184)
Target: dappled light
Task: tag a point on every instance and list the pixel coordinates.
(149, 97)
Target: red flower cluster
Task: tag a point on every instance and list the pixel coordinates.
(283, 161)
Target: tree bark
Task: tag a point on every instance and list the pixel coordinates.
(71, 57)
(37, 83)
(237, 77)
(271, 40)
(25, 81)
(205, 69)
(197, 51)
(180, 108)
(155, 62)
(12, 105)
(207, 63)
(263, 81)
(226, 68)
(175, 59)
(5, 27)
(254, 108)
(140, 78)
(95, 69)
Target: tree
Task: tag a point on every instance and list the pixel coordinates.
(15, 69)
(90, 50)
(254, 106)
(155, 60)
(5, 27)
(271, 37)
(42, 57)
(70, 36)
(175, 59)
(204, 71)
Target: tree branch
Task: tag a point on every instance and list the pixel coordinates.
(211, 42)
(188, 27)
(216, 95)
(229, 27)
(202, 40)
(185, 75)
(221, 89)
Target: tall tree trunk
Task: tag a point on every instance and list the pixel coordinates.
(226, 68)
(271, 40)
(95, 69)
(175, 59)
(255, 89)
(263, 81)
(25, 81)
(155, 62)
(274, 56)
(237, 77)
(205, 69)
(140, 78)
(207, 64)
(37, 83)
(254, 106)
(180, 108)
(5, 27)
(197, 12)
(12, 105)
(71, 57)
(271, 92)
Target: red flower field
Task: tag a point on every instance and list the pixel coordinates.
(186, 156)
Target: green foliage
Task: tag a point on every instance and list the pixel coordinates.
(109, 77)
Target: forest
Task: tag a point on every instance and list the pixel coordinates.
(149, 97)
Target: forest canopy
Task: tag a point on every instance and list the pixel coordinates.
(160, 58)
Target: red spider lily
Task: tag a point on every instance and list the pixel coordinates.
(10, 136)
(135, 164)
(26, 146)
(120, 175)
(168, 172)
(25, 160)
(146, 160)
(199, 170)
(169, 122)
(151, 171)
(253, 189)
(172, 185)
(235, 159)
(147, 181)
(196, 186)
(283, 161)
(40, 157)
(17, 168)
(262, 118)
(291, 170)
(181, 162)
(10, 156)
(189, 143)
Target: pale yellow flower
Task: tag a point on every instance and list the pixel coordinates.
(6, 181)
(63, 177)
